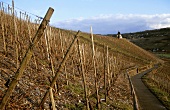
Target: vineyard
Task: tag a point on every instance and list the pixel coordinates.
(67, 69)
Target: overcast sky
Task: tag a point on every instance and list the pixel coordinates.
(105, 16)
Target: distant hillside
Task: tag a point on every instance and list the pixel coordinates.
(153, 40)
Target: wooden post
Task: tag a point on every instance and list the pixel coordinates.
(62, 50)
(27, 58)
(20, 22)
(60, 68)
(15, 35)
(52, 99)
(2, 6)
(17, 54)
(108, 69)
(73, 69)
(111, 69)
(13, 8)
(29, 32)
(9, 9)
(83, 74)
(4, 40)
(105, 86)
(95, 70)
(47, 39)
(114, 67)
(47, 45)
(13, 15)
(3, 31)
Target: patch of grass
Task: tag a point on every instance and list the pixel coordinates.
(161, 95)
(77, 89)
(79, 106)
(121, 106)
(164, 55)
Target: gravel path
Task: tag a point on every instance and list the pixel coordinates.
(146, 100)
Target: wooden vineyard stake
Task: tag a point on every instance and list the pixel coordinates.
(47, 36)
(83, 53)
(47, 45)
(73, 71)
(3, 32)
(65, 69)
(17, 54)
(108, 69)
(20, 22)
(13, 16)
(29, 32)
(52, 99)
(13, 8)
(26, 58)
(4, 40)
(15, 35)
(2, 7)
(104, 62)
(62, 50)
(61, 42)
(60, 68)
(112, 69)
(95, 71)
(83, 74)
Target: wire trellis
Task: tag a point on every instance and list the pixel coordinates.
(20, 13)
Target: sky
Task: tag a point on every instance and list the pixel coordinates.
(105, 16)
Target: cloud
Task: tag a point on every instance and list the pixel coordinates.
(107, 24)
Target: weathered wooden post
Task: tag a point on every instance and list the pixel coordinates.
(52, 99)
(95, 71)
(105, 83)
(27, 57)
(62, 50)
(4, 39)
(83, 74)
(47, 39)
(108, 69)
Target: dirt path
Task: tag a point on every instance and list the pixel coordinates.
(146, 100)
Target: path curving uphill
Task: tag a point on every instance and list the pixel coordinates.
(146, 100)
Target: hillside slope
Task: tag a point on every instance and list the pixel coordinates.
(125, 47)
(111, 63)
(152, 40)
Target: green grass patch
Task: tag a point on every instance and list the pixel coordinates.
(117, 105)
(79, 106)
(160, 94)
(77, 89)
(164, 55)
